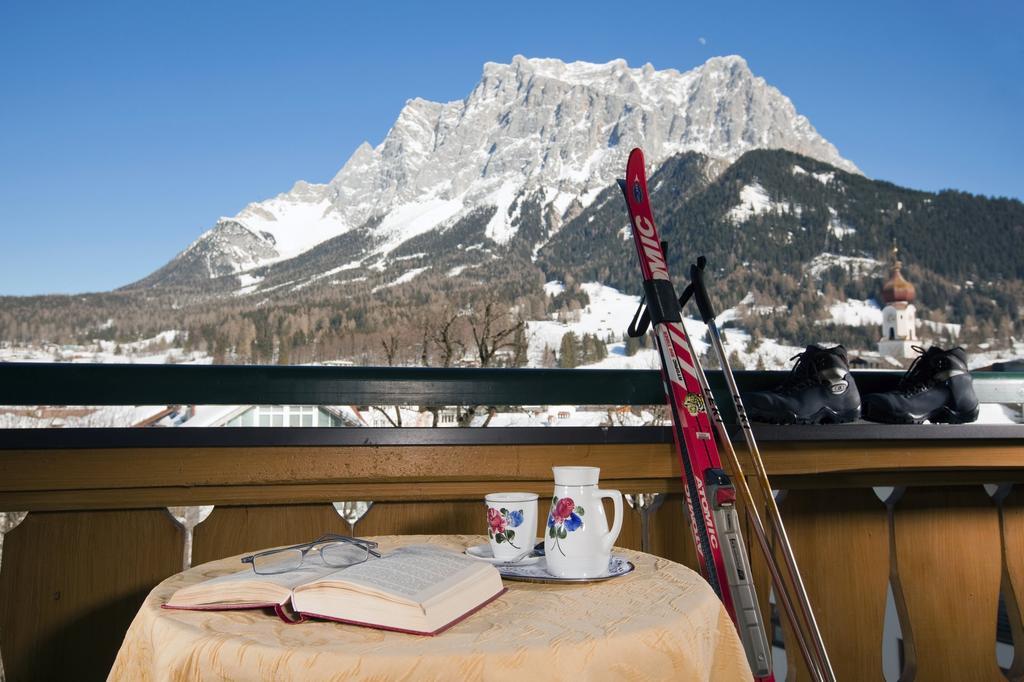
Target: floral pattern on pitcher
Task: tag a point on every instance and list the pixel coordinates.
(564, 518)
(500, 523)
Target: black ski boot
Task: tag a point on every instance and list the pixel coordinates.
(818, 390)
(937, 387)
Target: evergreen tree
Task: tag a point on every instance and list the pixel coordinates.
(594, 349)
(633, 344)
(520, 346)
(569, 351)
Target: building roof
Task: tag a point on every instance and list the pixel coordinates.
(897, 289)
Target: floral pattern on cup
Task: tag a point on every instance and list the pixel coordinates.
(564, 518)
(500, 523)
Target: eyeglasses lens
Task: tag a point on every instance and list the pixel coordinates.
(343, 553)
(278, 562)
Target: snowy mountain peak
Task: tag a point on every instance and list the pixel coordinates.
(728, 61)
(531, 126)
(361, 159)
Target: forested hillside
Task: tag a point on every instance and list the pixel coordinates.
(788, 235)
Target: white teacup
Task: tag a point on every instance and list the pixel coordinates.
(511, 524)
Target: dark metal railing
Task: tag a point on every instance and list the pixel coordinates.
(31, 384)
(81, 384)
(96, 384)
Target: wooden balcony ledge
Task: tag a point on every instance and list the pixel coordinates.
(98, 535)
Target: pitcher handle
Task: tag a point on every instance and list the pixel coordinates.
(609, 538)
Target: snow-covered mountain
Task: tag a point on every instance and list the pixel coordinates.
(536, 127)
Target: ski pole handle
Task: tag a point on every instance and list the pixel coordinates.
(700, 293)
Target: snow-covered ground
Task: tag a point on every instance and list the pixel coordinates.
(986, 357)
(939, 328)
(1000, 414)
(610, 311)
(836, 226)
(856, 266)
(105, 416)
(609, 314)
(293, 222)
(855, 313)
(157, 350)
(569, 415)
(754, 201)
(407, 276)
(606, 316)
(823, 178)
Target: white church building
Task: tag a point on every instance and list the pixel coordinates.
(899, 321)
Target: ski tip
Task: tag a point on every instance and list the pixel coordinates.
(637, 152)
(624, 186)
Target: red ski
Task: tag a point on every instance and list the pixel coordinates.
(710, 496)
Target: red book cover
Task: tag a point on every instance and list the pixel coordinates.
(286, 614)
(221, 607)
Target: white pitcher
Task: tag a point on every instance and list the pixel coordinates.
(577, 542)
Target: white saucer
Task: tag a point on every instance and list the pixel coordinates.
(484, 553)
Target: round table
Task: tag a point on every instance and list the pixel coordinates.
(661, 621)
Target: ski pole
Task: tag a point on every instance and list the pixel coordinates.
(739, 564)
(781, 589)
(707, 313)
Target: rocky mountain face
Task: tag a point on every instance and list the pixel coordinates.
(788, 238)
(472, 206)
(538, 128)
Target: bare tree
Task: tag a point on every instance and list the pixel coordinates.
(425, 341)
(390, 344)
(492, 412)
(425, 344)
(396, 421)
(465, 418)
(446, 338)
(493, 331)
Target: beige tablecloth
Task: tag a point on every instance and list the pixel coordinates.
(660, 622)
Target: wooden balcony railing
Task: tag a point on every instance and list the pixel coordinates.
(98, 537)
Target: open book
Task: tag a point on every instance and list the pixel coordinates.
(420, 589)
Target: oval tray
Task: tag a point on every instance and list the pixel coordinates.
(617, 566)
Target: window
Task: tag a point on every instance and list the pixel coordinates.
(284, 415)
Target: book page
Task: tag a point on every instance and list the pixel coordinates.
(246, 585)
(415, 573)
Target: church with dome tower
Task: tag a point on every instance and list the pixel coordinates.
(899, 321)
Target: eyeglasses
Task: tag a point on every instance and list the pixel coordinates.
(337, 551)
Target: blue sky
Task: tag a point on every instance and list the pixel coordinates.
(127, 129)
